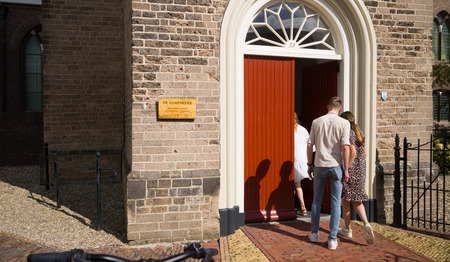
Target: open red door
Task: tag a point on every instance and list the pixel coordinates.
(319, 84)
(269, 109)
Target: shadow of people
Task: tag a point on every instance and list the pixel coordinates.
(252, 190)
(280, 206)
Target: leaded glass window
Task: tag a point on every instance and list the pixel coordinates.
(33, 74)
(435, 41)
(289, 25)
(440, 108)
(441, 37)
(445, 43)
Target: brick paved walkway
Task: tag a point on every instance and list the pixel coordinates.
(289, 242)
(12, 249)
(279, 242)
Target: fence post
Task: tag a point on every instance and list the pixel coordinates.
(99, 201)
(47, 176)
(405, 175)
(55, 168)
(444, 173)
(397, 193)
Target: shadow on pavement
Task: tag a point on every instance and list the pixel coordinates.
(79, 197)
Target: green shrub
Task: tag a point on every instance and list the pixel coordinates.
(438, 154)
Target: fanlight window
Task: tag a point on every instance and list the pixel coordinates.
(289, 25)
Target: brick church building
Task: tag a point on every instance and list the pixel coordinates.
(84, 76)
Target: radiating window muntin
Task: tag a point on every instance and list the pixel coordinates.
(33, 74)
(289, 25)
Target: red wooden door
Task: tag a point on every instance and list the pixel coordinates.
(319, 84)
(269, 86)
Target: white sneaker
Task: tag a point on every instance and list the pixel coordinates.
(345, 232)
(332, 244)
(370, 238)
(314, 237)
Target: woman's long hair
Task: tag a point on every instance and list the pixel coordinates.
(296, 121)
(359, 134)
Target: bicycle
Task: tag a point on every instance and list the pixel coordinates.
(193, 250)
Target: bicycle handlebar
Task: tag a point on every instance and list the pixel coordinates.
(68, 256)
(77, 255)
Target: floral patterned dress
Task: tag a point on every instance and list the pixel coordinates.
(354, 189)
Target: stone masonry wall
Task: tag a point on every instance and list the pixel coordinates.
(403, 31)
(175, 54)
(127, 149)
(83, 69)
(173, 185)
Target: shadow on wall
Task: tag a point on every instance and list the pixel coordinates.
(383, 182)
(252, 189)
(276, 203)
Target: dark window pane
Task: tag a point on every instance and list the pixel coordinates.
(444, 107)
(33, 75)
(445, 42)
(435, 41)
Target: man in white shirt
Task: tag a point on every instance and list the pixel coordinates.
(330, 135)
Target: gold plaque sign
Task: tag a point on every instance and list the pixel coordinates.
(177, 108)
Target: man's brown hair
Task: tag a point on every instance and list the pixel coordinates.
(335, 103)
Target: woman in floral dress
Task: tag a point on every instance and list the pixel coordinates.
(354, 190)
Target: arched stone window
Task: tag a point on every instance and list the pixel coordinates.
(441, 37)
(32, 71)
(441, 51)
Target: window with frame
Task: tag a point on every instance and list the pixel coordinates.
(440, 106)
(33, 71)
(289, 25)
(441, 51)
(441, 38)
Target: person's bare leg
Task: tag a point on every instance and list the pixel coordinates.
(299, 190)
(361, 211)
(346, 213)
(368, 232)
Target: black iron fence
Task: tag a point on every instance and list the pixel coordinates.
(424, 189)
(56, 165)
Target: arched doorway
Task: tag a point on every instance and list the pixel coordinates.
(356, 80)
(268, 132)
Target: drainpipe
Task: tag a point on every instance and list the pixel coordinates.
(3, 58)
